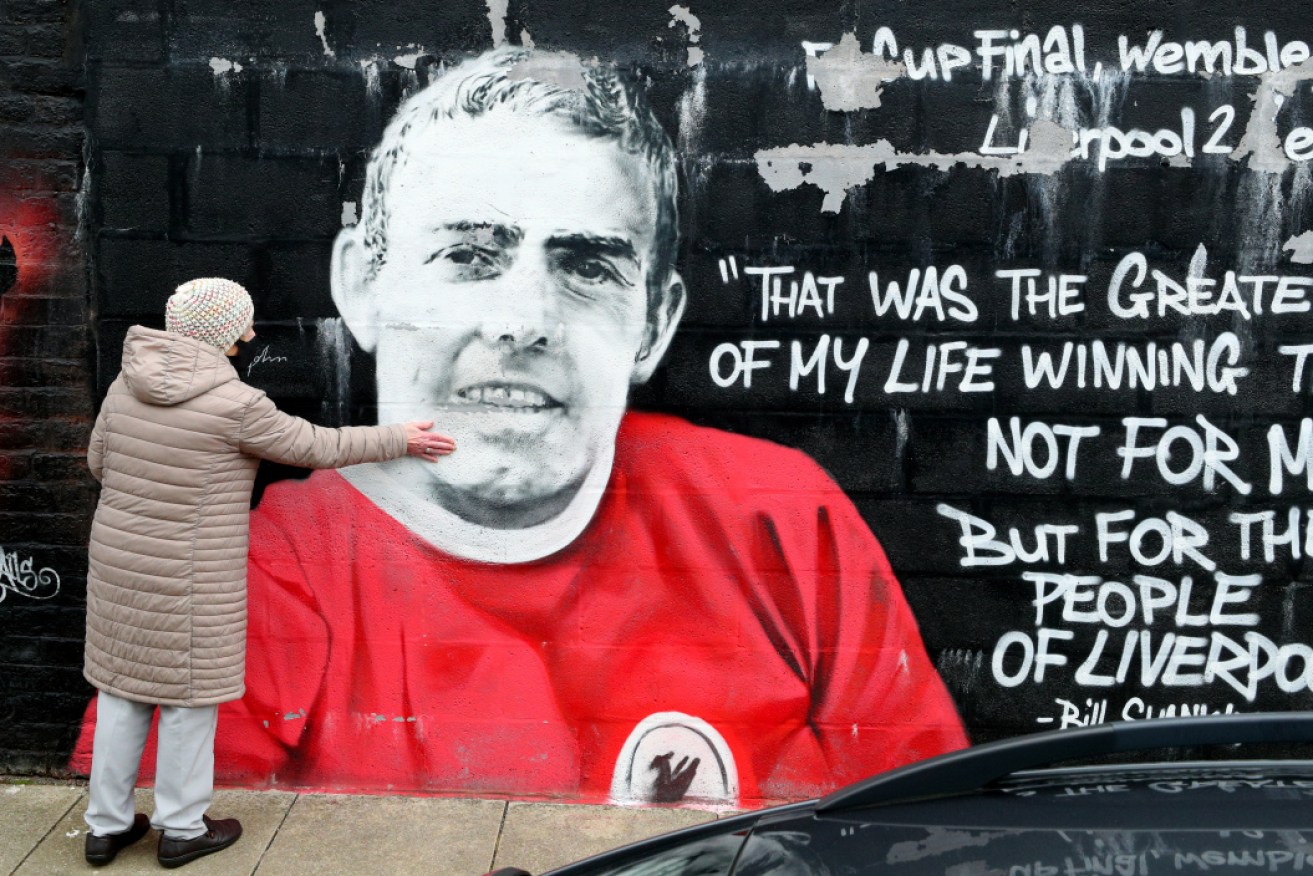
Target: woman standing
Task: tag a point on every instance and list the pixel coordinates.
(176, 447)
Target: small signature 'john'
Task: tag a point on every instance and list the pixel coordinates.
(262, 357)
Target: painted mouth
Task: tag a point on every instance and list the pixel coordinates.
(518, 397)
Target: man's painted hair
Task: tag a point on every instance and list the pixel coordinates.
(596, 99)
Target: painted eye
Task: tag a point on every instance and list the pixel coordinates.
(461, 255)
(461, 262)
(591, 270)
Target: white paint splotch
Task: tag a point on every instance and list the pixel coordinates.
(410, 59)
(684, 15)
(837, 167)
(497, 10)
(1053, 132)
(222, 66)
(1300, 248)
(850, 79)
(321, 31)
(562, 69)
(1261, 142)
(1041, 138)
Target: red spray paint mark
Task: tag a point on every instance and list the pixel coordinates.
(30, 236)
(30, 241)
(32, 230)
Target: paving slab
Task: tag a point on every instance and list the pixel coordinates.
(330, 833)
(261, 815)
(27, 814)
(542, 836)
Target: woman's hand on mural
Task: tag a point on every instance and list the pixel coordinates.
(425, 444)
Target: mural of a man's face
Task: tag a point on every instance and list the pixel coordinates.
(512, 307)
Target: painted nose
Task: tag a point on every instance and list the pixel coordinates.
(521, 314)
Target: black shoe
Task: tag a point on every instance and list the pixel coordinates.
(102, 849)
(220, 835)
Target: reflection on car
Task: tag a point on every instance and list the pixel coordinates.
(1004, 809)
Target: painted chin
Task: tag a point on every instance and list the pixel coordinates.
(502, 462)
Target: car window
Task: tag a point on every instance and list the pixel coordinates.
(711, 856)
(783, 853)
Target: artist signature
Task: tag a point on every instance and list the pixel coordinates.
(21, 576)
(262, 357)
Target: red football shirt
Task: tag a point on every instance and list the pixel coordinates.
(726, 627)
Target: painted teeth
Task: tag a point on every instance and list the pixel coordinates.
(505, 396)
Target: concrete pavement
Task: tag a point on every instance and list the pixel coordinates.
(284, 833)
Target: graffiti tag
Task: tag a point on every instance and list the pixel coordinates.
(20, 575)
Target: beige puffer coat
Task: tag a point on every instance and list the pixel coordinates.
(176, 448)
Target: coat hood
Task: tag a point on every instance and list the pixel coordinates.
(165, 368)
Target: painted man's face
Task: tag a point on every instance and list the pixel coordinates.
(512, 307)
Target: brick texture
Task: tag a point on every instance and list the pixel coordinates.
(46, 494)
(144, 142)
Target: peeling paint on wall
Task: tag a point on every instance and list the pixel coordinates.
(497, 19)
(1261, 143)
(220, 66)
(1044, 148)
(1300, 248)
(683, 15)
(321, 31)
(836, 167)
(558, 68)
(849, 78)
(410, 59)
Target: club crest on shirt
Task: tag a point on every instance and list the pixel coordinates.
(669, 757)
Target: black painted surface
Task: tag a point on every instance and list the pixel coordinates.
(244, 174)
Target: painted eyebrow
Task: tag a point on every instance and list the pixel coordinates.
(502, 235)
(617, 247)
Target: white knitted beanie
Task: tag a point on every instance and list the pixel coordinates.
(210, 309)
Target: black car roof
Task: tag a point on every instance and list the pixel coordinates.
(981, 766)
(967, 788)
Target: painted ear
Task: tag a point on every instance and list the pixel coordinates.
(352, 292)
(661, 325)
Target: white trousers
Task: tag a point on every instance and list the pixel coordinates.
(184, 766)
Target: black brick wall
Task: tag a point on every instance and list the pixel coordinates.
(46, 384)
(244, 174)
